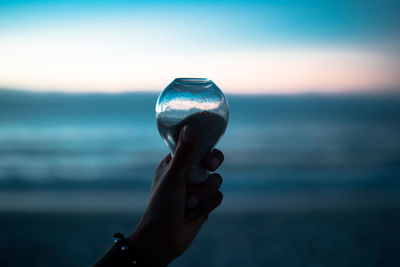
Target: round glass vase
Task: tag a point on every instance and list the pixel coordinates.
(197, 102)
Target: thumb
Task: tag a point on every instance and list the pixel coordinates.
(181, 159)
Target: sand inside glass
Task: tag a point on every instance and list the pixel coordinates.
(209, 127)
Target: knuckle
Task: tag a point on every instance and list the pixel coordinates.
(220, 197)
(217, 178)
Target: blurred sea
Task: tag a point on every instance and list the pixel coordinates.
(325, 168)
(306, 142)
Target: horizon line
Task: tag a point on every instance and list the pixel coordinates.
(381, 91)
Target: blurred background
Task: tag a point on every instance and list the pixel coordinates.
(312, 149)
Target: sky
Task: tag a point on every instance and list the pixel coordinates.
(245, 47)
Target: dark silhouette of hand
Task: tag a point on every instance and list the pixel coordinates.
(176, 210)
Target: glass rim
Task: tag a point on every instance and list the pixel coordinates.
(191, 80)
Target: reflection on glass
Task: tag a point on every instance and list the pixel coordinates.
(197, 102)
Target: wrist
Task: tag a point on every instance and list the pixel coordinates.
(150, 248)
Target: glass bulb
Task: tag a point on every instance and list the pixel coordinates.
(197, 102)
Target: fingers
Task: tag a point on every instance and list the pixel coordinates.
(214, 160)
(205, 208)
(180, 161)
(205, 197)
(160, 170)
(204, 191)
(167, 159)
(164, 163)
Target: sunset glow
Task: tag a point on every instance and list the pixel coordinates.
(145, 49)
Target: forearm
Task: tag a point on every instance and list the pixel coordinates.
(166, 230)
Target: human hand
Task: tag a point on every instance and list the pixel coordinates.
(176, 210)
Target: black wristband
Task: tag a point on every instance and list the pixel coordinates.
(125, 257)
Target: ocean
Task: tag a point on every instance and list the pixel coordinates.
(309, 180)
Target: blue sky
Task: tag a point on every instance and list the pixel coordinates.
(142, 45)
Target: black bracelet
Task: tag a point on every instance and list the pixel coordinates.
(126, 257)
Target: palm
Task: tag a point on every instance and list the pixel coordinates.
(172, 219)
(183, 230)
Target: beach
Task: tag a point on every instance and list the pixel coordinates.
(362, 237)
(309, 180)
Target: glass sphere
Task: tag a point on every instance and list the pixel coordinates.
(197, 102)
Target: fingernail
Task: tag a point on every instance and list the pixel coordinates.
(188, 134)
(214, 163)
(192, 202)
